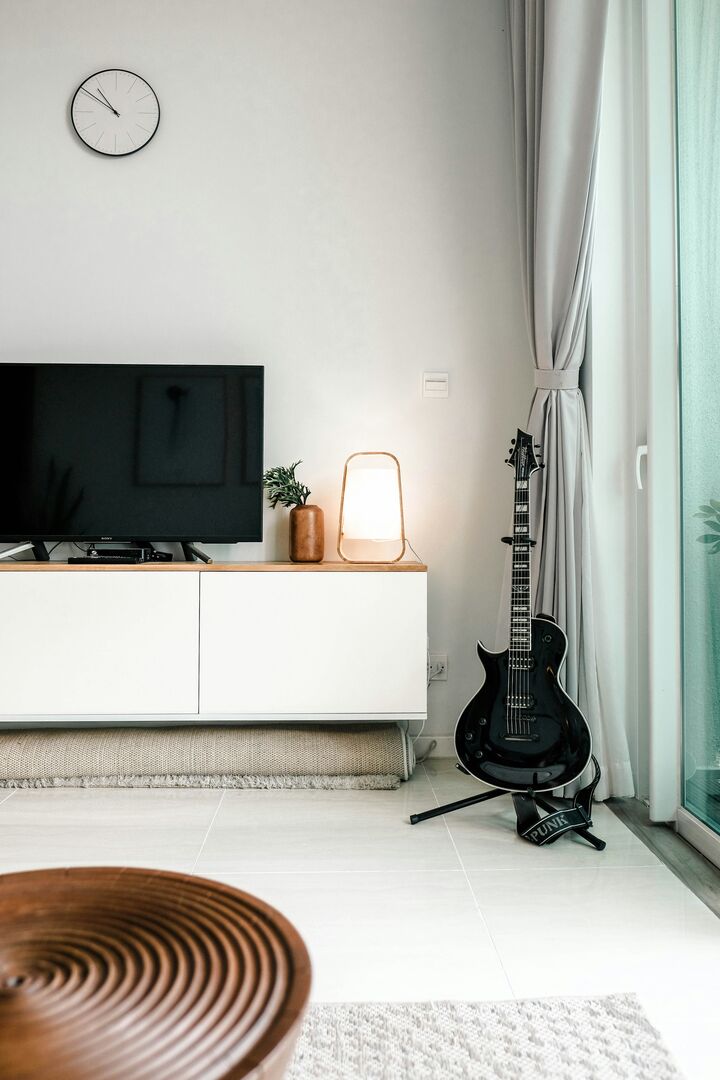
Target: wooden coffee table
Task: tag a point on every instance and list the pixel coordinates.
(109, 973)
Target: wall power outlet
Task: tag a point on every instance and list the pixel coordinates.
(437, 669)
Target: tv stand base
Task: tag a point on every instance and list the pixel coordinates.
(192, 553)
(37, 547)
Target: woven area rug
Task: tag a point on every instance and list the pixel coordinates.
(603, 1038)
(234, 756)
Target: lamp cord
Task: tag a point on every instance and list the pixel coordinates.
(413, 550)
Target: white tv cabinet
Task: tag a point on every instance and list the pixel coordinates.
(224, 642)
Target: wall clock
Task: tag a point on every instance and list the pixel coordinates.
(115, 112)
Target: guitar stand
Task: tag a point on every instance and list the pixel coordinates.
(530, 825)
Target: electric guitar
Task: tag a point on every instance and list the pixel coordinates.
(521, 731)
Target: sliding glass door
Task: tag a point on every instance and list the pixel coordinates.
(697, 35)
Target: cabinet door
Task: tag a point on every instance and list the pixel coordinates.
(313, 643)
(98, 642)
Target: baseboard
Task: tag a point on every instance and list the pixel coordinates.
(445, 746)
(699, 835)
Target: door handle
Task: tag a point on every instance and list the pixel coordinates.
(640, 453)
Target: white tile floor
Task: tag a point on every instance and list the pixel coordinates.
(453, 908)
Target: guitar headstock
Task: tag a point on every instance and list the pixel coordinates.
(524, 456)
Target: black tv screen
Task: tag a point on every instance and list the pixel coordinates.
(131, 452)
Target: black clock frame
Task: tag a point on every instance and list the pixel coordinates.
(94, 149)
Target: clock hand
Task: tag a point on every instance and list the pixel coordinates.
(108, 103)
(98, 100)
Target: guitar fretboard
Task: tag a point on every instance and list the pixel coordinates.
(520, 597)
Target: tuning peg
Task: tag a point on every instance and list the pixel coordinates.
(512, 441)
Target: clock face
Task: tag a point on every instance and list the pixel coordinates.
(115, 112)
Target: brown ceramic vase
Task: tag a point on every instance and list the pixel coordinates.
(307, 534)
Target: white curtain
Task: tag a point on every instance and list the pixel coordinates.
(556, 50)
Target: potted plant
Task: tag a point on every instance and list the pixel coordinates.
(710, 513)
(307, 525)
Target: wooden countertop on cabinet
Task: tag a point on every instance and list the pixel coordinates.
(29, 566)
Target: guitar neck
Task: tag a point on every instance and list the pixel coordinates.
(520, 594)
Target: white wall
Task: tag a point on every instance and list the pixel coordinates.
(330, 194)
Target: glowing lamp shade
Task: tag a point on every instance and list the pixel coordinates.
(371, 508)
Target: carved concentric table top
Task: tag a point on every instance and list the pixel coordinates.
(108, 973)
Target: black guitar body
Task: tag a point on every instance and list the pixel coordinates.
(521, 730)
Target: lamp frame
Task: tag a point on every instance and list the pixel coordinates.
(372, 453)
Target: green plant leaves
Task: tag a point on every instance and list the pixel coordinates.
(710, 514)
(282, 486)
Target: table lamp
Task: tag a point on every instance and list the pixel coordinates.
(371, 507)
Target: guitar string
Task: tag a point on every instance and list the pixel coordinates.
(517, 643)
(520, 648)
(523, 591)
(518, 598)
(514, 659)
(517, 639)
(511, 661)
(528, 577)
(521, 625)
(526, 614)
(511, 715)
(529, 612)
(530, 600)
(521, 642)
(509, 718)
(524, 673)
(528, 623)
(509, 722)
(515, 677)
(513, 621)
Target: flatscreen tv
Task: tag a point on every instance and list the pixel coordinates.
(96, 452)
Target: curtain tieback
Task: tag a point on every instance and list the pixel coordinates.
(556, 380)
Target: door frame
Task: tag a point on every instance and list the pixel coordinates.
(661, 23)
(664, 446)
(663, 485)
(698, 834)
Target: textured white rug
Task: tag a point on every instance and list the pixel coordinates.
(234, 756)
(206, 780)
(602, 1038)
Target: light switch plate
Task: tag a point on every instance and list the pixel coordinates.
(435, 383)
